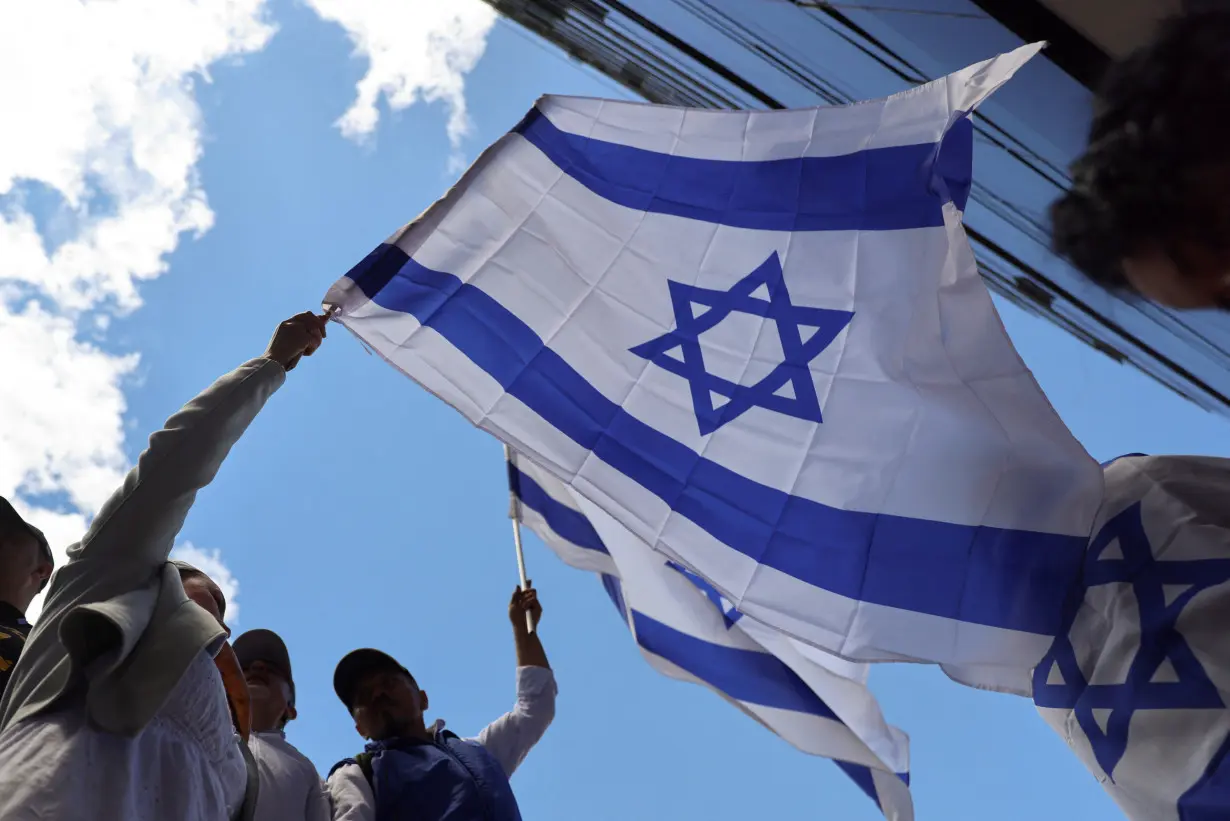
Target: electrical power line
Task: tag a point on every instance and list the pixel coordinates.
(960, 15)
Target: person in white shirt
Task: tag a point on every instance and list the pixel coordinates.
(414, 771)
(290, 787)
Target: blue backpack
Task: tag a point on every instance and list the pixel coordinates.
(448, 779)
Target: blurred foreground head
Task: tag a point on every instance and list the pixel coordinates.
(25, 559)
(204, 591)
(1149, 208)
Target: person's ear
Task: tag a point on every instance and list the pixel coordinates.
(290, 715)
(422, 701)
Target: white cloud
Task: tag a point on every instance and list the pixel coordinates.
(417, 49)
(211, 564)
(102, 130)
(98, 183)
(62, 409)
(103, 93)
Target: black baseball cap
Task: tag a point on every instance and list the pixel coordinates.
(266, 646)
(10, 518)
(355, 665)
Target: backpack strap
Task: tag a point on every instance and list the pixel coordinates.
(364, 760)
(364, 763)
(247, 810)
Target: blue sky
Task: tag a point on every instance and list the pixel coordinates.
(360, 511)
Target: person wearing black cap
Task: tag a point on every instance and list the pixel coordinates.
(128, 703)
(25, 567)
(290, 787)
(412, 770)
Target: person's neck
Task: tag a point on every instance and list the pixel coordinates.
(6, 603)
(419, 732)
(265, 720)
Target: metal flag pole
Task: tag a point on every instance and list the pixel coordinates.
(514, 513)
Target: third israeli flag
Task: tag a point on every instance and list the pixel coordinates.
(759, 342)
(686, 630)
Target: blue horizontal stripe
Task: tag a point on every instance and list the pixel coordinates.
(744, 675)
(571, 525)
(615, 591)
(877, 189)
(1003, 578)
(861, 776)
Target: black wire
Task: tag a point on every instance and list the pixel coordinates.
(966, 15)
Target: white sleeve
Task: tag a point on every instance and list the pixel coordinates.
(351, 795)
(319, 804)
(511, 736)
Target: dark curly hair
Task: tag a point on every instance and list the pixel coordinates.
(1154, 174)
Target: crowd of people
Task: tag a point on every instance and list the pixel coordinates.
(128, 701)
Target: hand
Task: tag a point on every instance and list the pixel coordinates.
(524, 601)
(297, 337)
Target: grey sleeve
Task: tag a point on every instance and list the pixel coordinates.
(132, 536)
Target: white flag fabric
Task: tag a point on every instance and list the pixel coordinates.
(759, 341)
(815, 701)
(1139, 682)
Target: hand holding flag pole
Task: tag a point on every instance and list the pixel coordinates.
(514, 513)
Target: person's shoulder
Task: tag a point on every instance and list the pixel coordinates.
(304, 761)
(13, 621)
(12, 640)
(344, 770)
(276, 752)
(282, 745)
(12, 635)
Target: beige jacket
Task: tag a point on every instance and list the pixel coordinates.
(116, 621)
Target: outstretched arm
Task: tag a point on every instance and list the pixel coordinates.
(530, 652)
(511, 736)
(126, 548)
(132, 536)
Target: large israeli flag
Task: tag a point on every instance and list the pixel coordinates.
(759, 341)
(1139, 682)
(686, 630)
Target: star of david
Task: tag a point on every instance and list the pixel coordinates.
(788, 388)
(1164, 674)
(729, 614)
